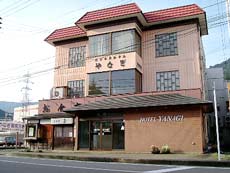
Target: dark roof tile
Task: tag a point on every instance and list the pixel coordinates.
(108, 13)
(139, 102)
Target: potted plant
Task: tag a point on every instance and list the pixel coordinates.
(154, 149)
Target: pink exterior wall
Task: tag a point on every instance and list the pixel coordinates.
(187, 61)
(53, 104)
(182, 136)
(64, 74)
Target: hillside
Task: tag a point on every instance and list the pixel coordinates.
(226, 66)
(9, 106)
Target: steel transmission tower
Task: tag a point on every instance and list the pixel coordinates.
(26, 93)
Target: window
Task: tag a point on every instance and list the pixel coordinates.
(168, 81)
(77, 56)
(126, 41)
(99, 83)
(166, 44)
(76, 88)
(115, 82)
(63, 131)
(116, 42)
(99, 45)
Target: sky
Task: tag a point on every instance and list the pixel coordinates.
(26, 23)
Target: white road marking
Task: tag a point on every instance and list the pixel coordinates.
(64, 166)
(170, 169)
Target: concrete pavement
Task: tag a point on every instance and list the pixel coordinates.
(122, 157)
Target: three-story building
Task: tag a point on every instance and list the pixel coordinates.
(125, 79)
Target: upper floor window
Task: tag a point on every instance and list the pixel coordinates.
(76, 88)
(116, 42)
(99, 45)
(168, 81)
(77, 56)
(126, 41)
(166, 44)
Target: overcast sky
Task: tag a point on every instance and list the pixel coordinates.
(26, 23)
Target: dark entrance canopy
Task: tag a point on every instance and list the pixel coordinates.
(141, 101)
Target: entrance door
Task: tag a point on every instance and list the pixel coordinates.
(106, 135)
(101, 135)
(95, 136)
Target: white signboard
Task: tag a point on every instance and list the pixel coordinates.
(11, 126)
(163, 118)
(61, 120)
(45, 121)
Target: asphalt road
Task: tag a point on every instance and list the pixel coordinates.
(34, 165)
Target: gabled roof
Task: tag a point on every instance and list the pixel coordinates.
(139, 102)
(108, 13)
(173, 13)
(63, 33)
(187, 12)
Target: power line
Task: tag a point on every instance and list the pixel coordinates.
(152, 40)
(17, 10)
(214, 4)
(10, 6)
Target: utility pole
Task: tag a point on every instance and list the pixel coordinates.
(0, 22)
(217, 125)
(25, 91)
(228, 16)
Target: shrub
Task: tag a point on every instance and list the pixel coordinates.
(165, 149)
(155, 150)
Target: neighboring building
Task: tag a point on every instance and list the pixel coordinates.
(5, 115)
(22, 112)
(127, 80)
(228, 86)
(216, 75)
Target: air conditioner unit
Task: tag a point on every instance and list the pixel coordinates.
(59, 92)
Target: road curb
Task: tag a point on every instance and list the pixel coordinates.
(210, 163)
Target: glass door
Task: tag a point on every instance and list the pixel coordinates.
(95, 135)
(83, 134)
(101, 135)
(106, 135)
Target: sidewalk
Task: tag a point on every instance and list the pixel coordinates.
(121, 156)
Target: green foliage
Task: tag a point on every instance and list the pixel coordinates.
(155, 150)
(226, 67)
(165, 149)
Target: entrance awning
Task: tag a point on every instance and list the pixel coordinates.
(143, 101)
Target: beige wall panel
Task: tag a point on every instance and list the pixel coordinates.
(187, 60)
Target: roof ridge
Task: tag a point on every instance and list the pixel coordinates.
(115, 7)
(106, 9)
(174, 8)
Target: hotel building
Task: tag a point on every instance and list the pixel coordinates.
(126, 79)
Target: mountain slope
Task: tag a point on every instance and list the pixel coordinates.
(9, 106)
(226, 66)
